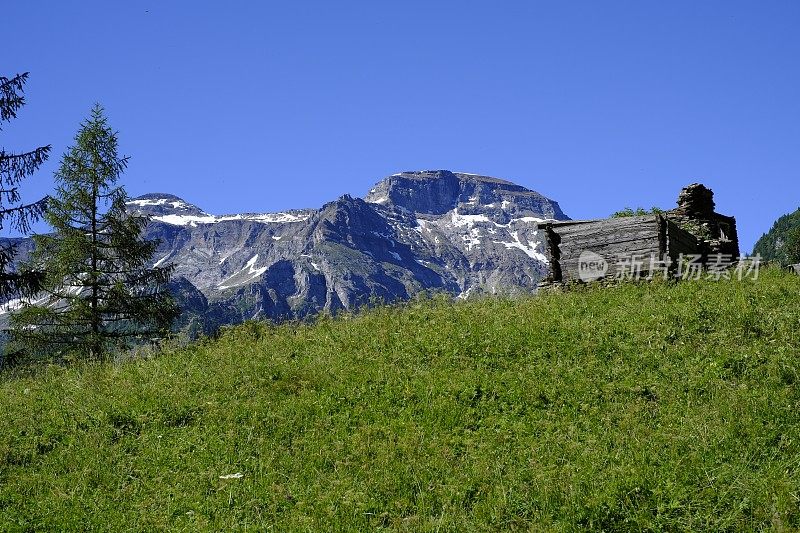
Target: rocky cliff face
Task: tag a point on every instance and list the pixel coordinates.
(439, 192)
(414, 232)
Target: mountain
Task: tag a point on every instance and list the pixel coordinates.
(770, 245)
(414, 232)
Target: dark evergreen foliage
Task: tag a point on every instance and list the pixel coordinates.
(776, 244)
(14, 214)
(98, 291)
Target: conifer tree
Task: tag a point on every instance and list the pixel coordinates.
(14, 214)
(98, 292)
(791, 246)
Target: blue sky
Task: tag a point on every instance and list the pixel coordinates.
(263, 106)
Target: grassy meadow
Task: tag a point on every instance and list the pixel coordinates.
(639, 407)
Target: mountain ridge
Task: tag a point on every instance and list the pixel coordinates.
(413, 232)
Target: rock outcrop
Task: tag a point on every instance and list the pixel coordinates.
(440, 191)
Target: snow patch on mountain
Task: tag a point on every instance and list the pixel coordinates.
(266, 218)
(458, 220)
(144, 202)
(161, 261)
(245, 275)
(531, 250)
(532, 219)
(172, 210)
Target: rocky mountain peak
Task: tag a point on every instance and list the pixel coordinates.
(346, 216)
(437, 192)
(163, 204)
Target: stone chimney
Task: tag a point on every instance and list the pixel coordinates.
(696, 201)
(695, 214)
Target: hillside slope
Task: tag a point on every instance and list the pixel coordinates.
(660, 406)
(770, 244)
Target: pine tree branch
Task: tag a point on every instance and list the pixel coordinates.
(22, 217)
(15, 167)
(11, 99)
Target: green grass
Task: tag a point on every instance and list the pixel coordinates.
(638, 407)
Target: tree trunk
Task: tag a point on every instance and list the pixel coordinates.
(94, 343)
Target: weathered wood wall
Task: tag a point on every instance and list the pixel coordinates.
(612, 238)
(615, 240)
(679, 241)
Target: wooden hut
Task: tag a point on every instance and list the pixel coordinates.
(693, 230)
